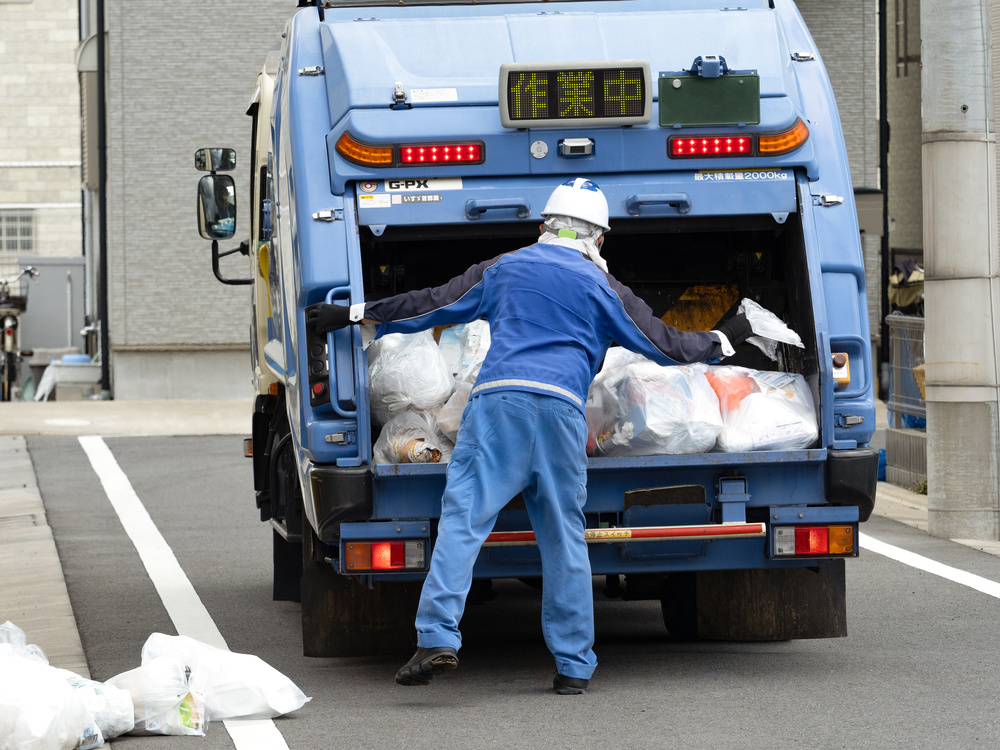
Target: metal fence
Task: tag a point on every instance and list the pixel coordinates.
(906, 374)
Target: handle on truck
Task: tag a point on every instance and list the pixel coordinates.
(634, 202)
(341, 359)
(474, 207)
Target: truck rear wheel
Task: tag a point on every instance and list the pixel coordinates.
(758, 605)
(343, 616)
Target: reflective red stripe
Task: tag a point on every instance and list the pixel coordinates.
(640, 534)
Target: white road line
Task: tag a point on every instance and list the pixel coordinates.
(182, 602)
(920, 562)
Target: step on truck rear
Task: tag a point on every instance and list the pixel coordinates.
(394, 145)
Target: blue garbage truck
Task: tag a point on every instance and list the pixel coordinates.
(396, 144)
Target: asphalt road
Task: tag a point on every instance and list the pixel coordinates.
(919, 668)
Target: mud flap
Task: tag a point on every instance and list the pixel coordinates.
(772, 605)
(342, 616)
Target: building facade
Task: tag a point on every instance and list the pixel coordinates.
(39, 132)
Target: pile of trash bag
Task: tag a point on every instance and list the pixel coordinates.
(419, 388)
(639, 408)
(181, 686)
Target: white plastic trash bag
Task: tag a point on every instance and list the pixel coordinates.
(763, 410)
(406, 371)
(769, 330)
(164, 700)
(411, 438)
(644, 409)
(449, 416)
(39, 710)
(475, 340)
(235, 686)
(12, 635)
(110, 706)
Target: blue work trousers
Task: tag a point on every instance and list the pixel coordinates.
(511, 442)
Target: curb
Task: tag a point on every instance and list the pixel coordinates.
(33, 591)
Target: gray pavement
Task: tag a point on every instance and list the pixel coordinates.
(33, 591)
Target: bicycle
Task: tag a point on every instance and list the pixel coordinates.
(11, 307)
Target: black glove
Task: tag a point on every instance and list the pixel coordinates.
(325, 318)
(736, 329)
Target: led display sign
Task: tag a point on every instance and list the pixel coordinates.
(612, 92)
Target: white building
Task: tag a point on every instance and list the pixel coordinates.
(39, 131)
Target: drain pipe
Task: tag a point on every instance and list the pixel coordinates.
(102, 192)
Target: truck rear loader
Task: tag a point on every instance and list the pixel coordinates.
(396, 144)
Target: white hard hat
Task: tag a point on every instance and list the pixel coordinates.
(581, 199)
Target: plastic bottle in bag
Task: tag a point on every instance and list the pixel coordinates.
(235, 686)
(163, 699)
(411, 438)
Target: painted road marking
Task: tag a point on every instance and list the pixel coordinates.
(182, 602)
(920, 562)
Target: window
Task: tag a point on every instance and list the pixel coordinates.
(17, 233)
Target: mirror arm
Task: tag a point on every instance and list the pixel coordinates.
(244, 248)
(215, 264)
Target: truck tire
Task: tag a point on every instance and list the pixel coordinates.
(758, 605)
(344, 616)
(679, 604)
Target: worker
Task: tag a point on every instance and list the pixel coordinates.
(553, 311)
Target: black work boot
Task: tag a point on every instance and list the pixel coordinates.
(426, 663)
(569, 685)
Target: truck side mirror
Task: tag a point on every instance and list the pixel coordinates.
(217, 207)
(215, 159)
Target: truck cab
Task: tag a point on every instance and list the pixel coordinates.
(396, 145)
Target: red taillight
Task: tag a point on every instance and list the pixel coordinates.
(681, 147)
(363, 556)
(409, 154)
(388, 555)
(812, 540)
(441, 153)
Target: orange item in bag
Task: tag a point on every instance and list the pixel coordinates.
(731, 388)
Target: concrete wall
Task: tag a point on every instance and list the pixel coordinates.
(846, 33)
(40, 123)
(179, 78)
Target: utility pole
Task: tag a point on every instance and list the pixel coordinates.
(962, 296)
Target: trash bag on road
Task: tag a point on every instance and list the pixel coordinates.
(40, 705)
(235, 686)
(164, 700)
(39, 710)
(110, 706)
